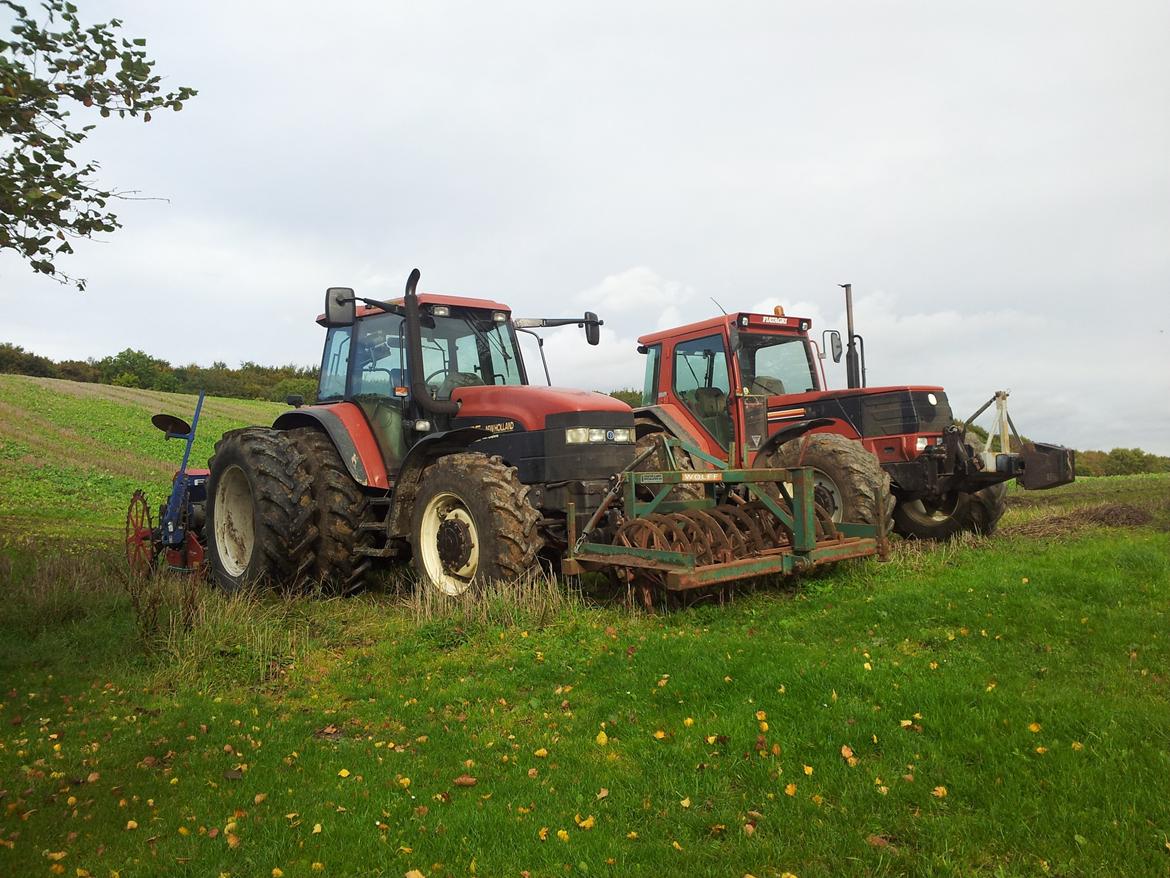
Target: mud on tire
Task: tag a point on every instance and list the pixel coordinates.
(850, 483)
(259, 510)
(472, 520)
(339, 507)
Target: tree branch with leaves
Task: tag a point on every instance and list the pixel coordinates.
(48, 70)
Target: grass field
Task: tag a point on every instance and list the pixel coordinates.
(995, 707)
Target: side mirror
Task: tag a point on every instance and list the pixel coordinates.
(834, 344)
(592, 328)
(340, 306)
(296, 400)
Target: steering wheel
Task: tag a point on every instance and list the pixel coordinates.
(442, 371)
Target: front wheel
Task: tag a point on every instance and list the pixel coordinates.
(976, 513)
(472, 521)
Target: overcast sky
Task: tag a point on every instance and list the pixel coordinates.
(993, 179)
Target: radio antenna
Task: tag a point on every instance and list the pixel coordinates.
(717, 305)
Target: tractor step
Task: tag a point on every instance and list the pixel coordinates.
(371, 552)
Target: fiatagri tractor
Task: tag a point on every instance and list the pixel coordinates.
(427, 442)
(750, 388)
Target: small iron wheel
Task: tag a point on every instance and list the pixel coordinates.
(140, 547)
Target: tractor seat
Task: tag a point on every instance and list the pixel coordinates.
(773, 386)
(711, 407)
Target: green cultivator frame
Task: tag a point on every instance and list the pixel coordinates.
(747, 523)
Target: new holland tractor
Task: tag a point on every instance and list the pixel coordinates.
(427, 442)
(750, 388)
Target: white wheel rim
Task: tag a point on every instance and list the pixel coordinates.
(446, 506)
(235, 526)
(917, 510)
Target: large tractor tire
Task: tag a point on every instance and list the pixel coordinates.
(259, 511)
(472, 521)
(339, 507)
(977, 513)
(848, 481)
(658, 461)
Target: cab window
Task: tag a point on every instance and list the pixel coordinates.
(335, 363)
(776, 364)
(650, 387)
(701, 384)
(380, 361)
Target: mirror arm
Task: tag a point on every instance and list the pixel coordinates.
(547, 322)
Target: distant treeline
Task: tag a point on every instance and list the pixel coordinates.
(132, 368)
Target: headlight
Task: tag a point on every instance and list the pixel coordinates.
(920, 443)
(589, 435)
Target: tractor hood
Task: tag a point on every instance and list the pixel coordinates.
(872, 411)
(529, 407)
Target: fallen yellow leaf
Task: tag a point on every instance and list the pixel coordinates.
(543, 833)
(939, 792)
(562, 835)
(688, 722)
(277, 872)
(131, 824)
(602, 738)
(808, 769)
(790, 790)
(588, 823)
(686, 803)
(1077, 745)
(258, 798)
(316, 829)
(541, 753)
(343, 773)
(659, 735)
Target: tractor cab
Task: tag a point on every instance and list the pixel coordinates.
(463, 343)
(718, 377)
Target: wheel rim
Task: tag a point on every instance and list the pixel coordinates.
(139, 536)
(235, 531)
(934, 513)
(448, 544)
(825, 493)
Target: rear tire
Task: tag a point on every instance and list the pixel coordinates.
(977, 513)
(849, 483)
(258, 510)
(339, 507)
(472, 521)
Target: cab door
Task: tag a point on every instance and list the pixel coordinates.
(701, 381)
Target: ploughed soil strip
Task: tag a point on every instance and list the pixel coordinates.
(1102, 515)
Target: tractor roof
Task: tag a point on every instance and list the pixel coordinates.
(744, 319)
(425, 299)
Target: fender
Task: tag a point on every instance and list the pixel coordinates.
(788, 433)
(345, 424)
(422, 453)
(645, 415)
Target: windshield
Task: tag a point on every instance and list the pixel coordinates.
(776, 364)
(466, 349)
(462, 350)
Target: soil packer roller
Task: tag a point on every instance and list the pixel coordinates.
(427, 442)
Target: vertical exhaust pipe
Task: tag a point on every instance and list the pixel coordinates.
(414, 360)
(854, 361)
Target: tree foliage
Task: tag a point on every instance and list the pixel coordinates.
(131, 368)
(48, 70)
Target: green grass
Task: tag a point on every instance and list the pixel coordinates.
(234, 728)
(970, 644)
(72, 454)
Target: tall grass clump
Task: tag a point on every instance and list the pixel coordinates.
(532, 601)
(52, 588)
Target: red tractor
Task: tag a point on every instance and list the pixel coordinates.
(426, 441)
(749, 388)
